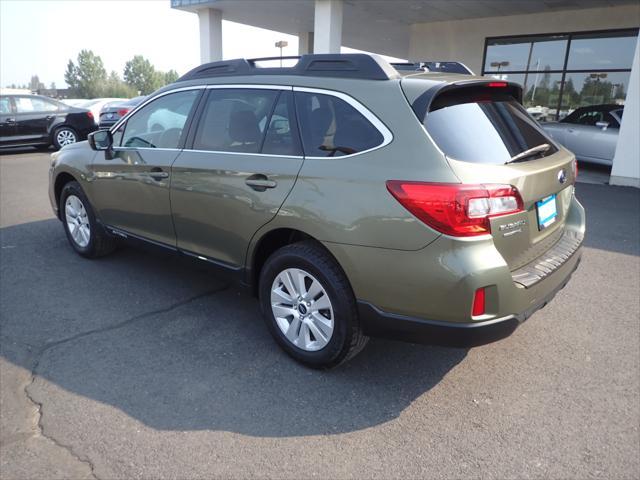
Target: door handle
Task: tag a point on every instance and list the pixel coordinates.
(158, 174)
(49, 117)
(11, 120)
(260, 182)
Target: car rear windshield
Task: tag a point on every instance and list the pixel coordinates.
(480, 126)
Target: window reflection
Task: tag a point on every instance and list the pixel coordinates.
(596, 52)
(593, 88)
(551, 89)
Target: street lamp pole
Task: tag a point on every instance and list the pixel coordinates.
(281, 44)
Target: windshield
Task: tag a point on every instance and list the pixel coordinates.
(484, 128)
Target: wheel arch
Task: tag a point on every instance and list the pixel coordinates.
(270, 241)
(61, 180)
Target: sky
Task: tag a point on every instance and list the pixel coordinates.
(39, 37)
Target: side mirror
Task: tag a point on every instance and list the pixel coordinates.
(100, 140)
(602, 125)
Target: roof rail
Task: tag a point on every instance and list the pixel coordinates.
(444, 67)
(344, 65)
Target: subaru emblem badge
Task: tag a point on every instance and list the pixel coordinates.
(562, 176)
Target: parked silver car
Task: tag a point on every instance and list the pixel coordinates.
(591, 133)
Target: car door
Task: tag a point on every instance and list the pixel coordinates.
(7, 121)
(243, 160)
(602, 145)
(130, 184)
(34, 115)
(590, 142)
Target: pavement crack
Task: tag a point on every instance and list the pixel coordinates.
(40, 353)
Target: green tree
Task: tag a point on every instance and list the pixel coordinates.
(116, 88)
(170, 77)
(140, 74)
(88, 77)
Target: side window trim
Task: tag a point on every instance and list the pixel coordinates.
(186, 129)
(387, 136)
(117, 125)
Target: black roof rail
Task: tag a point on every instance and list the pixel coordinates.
(444, 67)
(344, 65)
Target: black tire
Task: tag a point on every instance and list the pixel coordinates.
(100, 243)
(63, 130)
(347, 338)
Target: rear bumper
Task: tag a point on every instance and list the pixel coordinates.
(377, 323)
(426, 296)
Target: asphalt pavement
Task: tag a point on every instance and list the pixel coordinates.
(143, 365)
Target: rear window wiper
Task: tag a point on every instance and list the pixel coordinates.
(529, 153)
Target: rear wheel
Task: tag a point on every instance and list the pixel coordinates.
(85, 234)
(64, 136)
(309, 307)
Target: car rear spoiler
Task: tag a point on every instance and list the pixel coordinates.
(443, 67)
(432, 97)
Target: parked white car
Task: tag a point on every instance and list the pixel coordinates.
(591, 133)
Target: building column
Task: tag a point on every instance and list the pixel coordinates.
(305, 43)
(327, 26)
(210, 21)
(626, 161)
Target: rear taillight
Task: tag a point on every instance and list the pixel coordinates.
(497, 84)
(575, 170)
(454, 208)
(123, 111)
(90, 114)
(478, 307)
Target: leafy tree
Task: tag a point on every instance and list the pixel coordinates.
(87, 78)
(115, 87)
(140, 74)
(170, 77)
(52, 86)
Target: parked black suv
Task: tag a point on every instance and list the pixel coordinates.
(42, 121)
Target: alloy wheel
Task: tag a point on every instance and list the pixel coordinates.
(66, 137)
(77, 221)
(302, 309)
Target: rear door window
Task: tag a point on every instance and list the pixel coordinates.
(235, 120)
(330, 127)
(480, 126)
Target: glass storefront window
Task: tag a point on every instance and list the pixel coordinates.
(598, 52)
(561, 72)
(593, 88)
(527, 53)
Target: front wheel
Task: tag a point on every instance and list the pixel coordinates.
(85, 234)
(309, 307)
(64, 136)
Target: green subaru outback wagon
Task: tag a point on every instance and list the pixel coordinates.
(353, 200)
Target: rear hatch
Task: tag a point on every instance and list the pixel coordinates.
(489, 138)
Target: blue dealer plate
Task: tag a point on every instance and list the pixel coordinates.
(547, 211)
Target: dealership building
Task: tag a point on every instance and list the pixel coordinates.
(566, 53)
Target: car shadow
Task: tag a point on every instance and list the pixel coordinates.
(159, 338)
